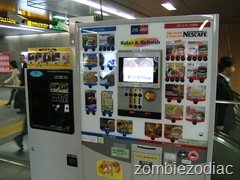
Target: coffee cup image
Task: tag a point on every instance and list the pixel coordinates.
(169, 49)
(192, 51)
(200, 115)
(203, 49)
(177, 132)
(180, 49)
(202, 71)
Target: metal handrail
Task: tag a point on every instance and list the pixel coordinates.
(228, 102)
(236, 95)
(13, 87)
(228, 141)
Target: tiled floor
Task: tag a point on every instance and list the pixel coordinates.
(13, 172)
(14, 163)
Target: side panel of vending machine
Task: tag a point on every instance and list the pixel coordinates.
(146, 97)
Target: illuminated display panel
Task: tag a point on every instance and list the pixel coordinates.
(139, 69)
(133, 69)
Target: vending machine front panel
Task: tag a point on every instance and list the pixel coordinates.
(51, 100)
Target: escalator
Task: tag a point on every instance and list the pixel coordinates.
(226, 152)
(226, 149)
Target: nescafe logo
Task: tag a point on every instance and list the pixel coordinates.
(195, 34)
(139, 29)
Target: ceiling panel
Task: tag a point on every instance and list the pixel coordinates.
(153, 8)
(67, 7)
(229, 10)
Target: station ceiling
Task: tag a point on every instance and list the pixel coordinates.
(41, 10)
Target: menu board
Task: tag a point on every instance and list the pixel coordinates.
(49, 57)
(187, 61)
(108, 59)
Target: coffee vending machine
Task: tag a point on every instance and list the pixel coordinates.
(145, 97)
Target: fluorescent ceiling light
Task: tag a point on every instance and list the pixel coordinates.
(103, 13)
(60, 17)
(106, 9)
(168, 6)
(21, 27)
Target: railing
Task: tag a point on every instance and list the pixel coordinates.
(228, 102)
(12, 87)
(224, 139)
(236, 95)
(233, 135)
(236, 108)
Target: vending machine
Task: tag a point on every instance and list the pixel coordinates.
(146, 90)
(53, 110)
(52, 134)
(53, 147)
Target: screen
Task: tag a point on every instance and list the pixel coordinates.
(138, 69)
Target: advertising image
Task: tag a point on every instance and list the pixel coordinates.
(50, 57)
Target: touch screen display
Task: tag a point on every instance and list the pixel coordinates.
(140, 69)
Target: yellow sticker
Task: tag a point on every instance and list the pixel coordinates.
(141, 156)
(109, 169)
